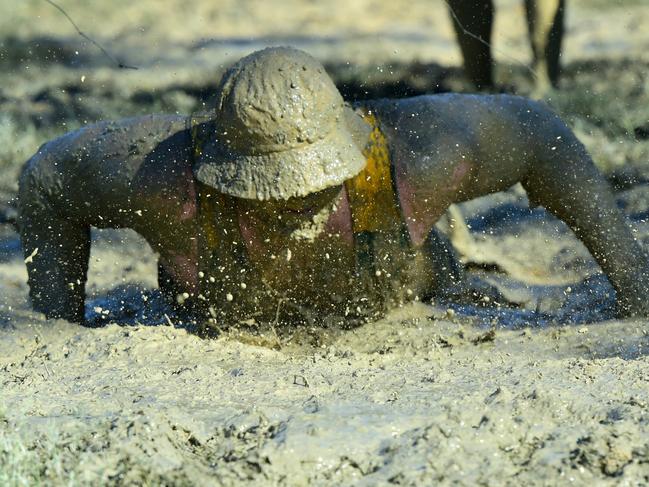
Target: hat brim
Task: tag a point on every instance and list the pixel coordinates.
(280, 175)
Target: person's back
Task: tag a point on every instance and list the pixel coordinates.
(330, 208)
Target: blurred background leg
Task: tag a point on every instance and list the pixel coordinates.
(476, 17)
(545, 23)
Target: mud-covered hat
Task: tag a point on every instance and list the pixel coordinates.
(280, 130)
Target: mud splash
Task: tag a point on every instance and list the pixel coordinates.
(540, 388)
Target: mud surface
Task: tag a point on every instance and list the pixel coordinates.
(538, 385)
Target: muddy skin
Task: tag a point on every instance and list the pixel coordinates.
(545, 29)
(134, 173)
(137, 173)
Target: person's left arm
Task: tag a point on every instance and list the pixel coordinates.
(451, 148)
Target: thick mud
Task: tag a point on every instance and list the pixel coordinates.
(535, 384)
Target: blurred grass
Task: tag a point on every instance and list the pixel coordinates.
(187, 21)
(17, 142)
(607, 104)
(37, 462)
(614, 96)
(58, 458)
(121, 451)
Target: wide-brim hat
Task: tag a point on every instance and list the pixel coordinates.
(284, 174)
(279, 130)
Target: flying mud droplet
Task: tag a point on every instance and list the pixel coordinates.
(30, 257)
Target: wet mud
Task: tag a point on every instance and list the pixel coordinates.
(524, 376)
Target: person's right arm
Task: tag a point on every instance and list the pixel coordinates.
(90, 177)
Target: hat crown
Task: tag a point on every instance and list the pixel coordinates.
(274, 100)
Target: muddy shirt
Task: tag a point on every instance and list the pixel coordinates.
(360, 264)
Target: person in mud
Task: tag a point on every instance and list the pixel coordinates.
(473, 22)
(284, 197)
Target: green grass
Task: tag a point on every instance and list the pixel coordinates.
(26, 463)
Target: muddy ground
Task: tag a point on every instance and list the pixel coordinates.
(544, 387)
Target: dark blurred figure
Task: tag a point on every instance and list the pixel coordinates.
(545, 27)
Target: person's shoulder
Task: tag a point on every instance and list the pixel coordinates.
(414, 106)
(154, 125)
(144, 126)
(433, 100)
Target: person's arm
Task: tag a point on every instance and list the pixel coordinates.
(452, 148)
(92, 177)
(561, 177)
(56, 245)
